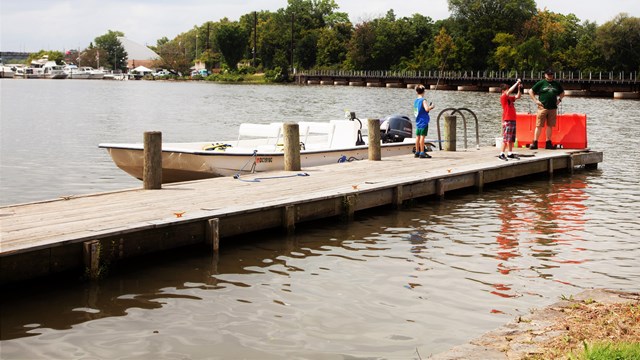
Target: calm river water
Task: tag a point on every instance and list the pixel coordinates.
(390, 285)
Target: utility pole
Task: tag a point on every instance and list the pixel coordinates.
(292, 21)
(255, 37)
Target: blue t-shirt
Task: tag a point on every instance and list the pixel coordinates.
(422, 116)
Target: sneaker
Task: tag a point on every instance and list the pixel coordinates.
(548, 145)
(417, 154)
(502, 157)
(425, 156)
(534, 145)
(512, 156)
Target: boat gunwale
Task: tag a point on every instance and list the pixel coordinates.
(140, 147)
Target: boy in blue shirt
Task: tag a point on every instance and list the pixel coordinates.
(421, 111)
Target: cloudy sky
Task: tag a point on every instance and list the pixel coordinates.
(33, 25)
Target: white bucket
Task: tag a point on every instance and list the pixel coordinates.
(499, 142)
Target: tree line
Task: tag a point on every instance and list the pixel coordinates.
(478, 35)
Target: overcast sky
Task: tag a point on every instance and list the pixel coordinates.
(33, 25)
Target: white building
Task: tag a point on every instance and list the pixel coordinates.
(138, 54)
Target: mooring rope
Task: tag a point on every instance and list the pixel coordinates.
(344, 158)
(253, 167)
(237, 177)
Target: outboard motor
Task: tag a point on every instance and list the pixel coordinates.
(395, 128)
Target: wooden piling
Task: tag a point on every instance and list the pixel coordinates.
(449, 133)
(213, 234)
(440, 188)
(480, 180)
(152, 172)
(349, 203)
(570, 164)
(91, 252)
(375, 153)
(291, 146)
(398, 196)
(289, 219)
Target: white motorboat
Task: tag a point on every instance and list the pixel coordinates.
(75, 72)
(7, 71)
(29, 72)
(259, 148)
(94, 74)
(51, 70)
(41, 69)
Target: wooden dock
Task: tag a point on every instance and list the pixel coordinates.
(80, 233)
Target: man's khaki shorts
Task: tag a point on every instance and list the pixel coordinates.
(546, 116)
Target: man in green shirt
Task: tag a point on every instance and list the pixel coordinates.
(550, 94)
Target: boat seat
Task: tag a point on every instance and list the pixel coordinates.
(315, 128)
(269, 132)
(344, 134)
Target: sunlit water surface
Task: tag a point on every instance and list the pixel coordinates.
(390, 285)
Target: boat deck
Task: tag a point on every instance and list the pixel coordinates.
(49, 237)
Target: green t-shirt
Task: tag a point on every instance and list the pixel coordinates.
(548, 92)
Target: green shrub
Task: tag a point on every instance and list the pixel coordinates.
(276, 75)
(611, 351)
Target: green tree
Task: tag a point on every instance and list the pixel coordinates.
(449, 53)
(162, 41)
(446, 50)
(619, 42)
(531, 54)
(506, 53)
(272, 37)
(306, 47)
(332, 44)
(361, 46)
(417, 59)
(91, 57)
(172, 56)
(586, 55)
(52, 55)
(307, 18)
(385, 43)
(483, 19)
(116, 54)
(232, 39)
(204, 43)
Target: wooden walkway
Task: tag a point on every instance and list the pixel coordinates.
(54, 236)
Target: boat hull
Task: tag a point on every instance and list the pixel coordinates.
(180, 166)
(6, 72)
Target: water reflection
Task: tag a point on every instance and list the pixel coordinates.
(536, 223)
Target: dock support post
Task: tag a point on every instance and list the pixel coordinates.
(291, 146)
(570, 164)
(397, 196)
(91, 252)
(213, 234)
(550, 167)
(480, 180)
(440, 188)
(450, 133)
(152, 169)
(349, 203)
(289, 219)
(374, 140)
